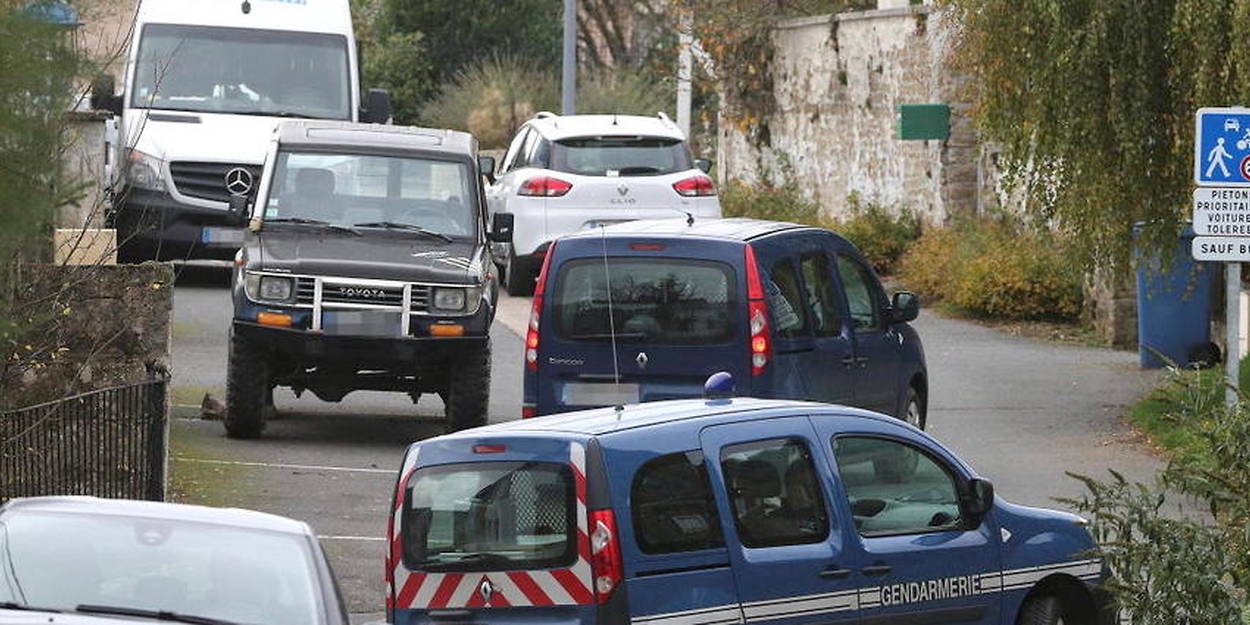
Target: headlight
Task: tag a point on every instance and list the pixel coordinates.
(449, 299)
(275, 289)
(262, 288)
(144, 171)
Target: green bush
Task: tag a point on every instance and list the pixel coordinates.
(399, 63)
(778, 203)
(625, 91)
(883, 237)
(996, 269)
(492, 98)
(1171, 565)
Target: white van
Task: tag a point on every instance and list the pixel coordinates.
(206, 82)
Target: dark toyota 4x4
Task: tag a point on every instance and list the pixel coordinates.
(365, 267)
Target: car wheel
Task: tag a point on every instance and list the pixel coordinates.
(913, 409)
(468, 388)
(517, 278)
(249, 395)
(1042, 610)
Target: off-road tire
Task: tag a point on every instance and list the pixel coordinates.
(914, 409)
(518, 277)
(468, 388)
(249, 392)
(1043, 610)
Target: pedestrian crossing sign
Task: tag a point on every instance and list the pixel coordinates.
(1222, 147)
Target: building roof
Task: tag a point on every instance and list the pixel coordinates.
(95, 506)
(556, 127)
(341, 134)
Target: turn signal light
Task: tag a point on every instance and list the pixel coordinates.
(274, 319)
(444, 329)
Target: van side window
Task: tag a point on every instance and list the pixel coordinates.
(894, 488)
(672, 505)
(775, 493)
(514, 151)
(785, 300)
(822, 297)
(861, 296)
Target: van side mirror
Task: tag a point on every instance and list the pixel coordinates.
(704, 165)
(238, 210)
(378, 108)
(904, 307)
(103, 96)
(979, 499)
(501, 228)
(486, 166)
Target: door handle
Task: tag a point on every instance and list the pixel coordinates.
(849, 361)
(880, 569)
(833, 573)
(863, 361)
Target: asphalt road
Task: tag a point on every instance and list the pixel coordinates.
(1021, 411)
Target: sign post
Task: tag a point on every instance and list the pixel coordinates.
(1222, 214)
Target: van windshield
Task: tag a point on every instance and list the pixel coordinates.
(659, 301)
(485, 516)
(242, 71)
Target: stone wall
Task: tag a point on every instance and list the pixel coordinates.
(838, 83)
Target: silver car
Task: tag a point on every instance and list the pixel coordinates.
(83, 557)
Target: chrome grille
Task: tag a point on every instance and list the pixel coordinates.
(207, 181)
(305, 290)
(420, 298)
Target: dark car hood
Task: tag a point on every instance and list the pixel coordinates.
(376, 255)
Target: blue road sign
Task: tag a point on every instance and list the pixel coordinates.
(1222, 147)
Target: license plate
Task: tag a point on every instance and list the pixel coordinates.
(600, 394)
(221, 235)
(361, 323)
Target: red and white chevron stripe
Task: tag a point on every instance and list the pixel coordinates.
(422, 591)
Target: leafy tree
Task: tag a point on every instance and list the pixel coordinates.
(1093, 103)
(399, 63)
(459, 32)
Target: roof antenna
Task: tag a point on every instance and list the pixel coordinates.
(614, 119)
(616, 370)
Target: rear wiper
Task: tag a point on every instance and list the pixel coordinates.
(160, 615)
(392, 225)
(475, 558)
(607, 336)
(10, 605)
(314, 222)
(635, 171)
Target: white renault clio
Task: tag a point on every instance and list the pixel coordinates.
(563, 174)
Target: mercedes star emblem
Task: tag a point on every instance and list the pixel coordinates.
(487, 590)
(641, 360)
(239, 181)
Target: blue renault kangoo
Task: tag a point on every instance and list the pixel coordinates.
(722, 512)
(647, 310)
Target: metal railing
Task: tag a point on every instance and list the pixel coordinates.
(108, 443)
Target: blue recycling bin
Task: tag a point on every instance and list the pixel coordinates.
(1173, 305)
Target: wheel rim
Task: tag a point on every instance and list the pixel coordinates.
(912, 415)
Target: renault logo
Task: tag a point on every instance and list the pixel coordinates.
(487, 590)
(622, 189)
(239, 181)
(641, 360)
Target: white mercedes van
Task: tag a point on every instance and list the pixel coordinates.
(206, 81)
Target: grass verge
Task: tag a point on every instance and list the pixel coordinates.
(1167, 414)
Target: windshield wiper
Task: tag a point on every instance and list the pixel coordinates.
(476, 558)
(391, 225)
(288, 114)
(606, 336)
(160, 615)
(10, 605)
(303, 221)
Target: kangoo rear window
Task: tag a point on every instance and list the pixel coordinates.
(653, 301)
(490, 516)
